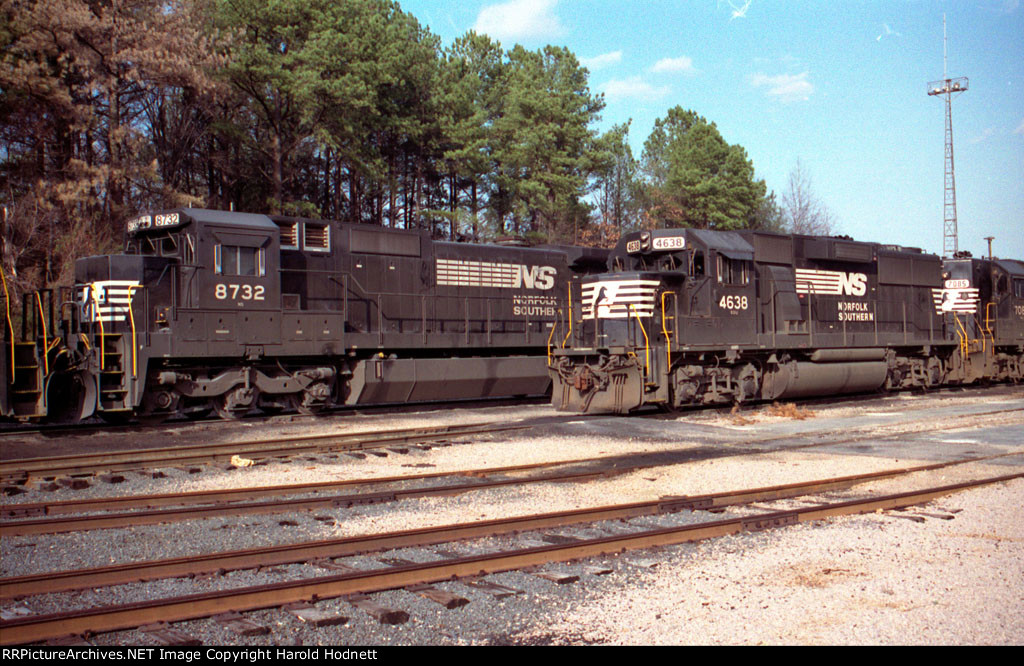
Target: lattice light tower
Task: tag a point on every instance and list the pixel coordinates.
(949, 88)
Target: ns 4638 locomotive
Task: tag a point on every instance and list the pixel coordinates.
(211, 310)
(692, 317)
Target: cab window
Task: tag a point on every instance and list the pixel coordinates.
(697, 265)
(238, 260)
(732, 271)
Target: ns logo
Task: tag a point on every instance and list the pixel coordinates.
(534, 277)
(830, 283)
(853, 284)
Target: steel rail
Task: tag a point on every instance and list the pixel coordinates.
(48, 582)
(112, 618)
(49, 525)
(10, 429)
(159, 516)
(267, 448)
(239, 494)
(69, 507)
(18, 471)
(136, 518)
(7, 475)
(13, 430)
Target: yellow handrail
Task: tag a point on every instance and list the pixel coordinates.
(96, 315)
(647, 344)
(569, 334)
(46, 341)
(131, 318)
(10, 326)
(664, 329)
(554, 326)
(962, 334)
(988, 327)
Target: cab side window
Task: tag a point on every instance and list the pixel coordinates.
(698, 263)
(238, 260)
(732, 271)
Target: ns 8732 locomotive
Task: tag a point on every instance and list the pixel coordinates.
(211, 310)
(691, 317)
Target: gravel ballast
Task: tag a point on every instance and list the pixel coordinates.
(956, 577)
(875, 579)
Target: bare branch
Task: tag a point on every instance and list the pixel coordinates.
(804, 213)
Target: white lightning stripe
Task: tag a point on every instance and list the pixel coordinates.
(453, 272)
(828, 283)
(956, 300)
(619, 299)
(107, 298)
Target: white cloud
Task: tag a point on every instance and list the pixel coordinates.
(1020, 128)
(986, 134)
(786, 87)
(601, 61)
(520, 19)
(887, 32)
(633, 88)
(739, 12)
(682, 64)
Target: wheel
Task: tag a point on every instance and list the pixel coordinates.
(301, 403)
(158, 405)
(236, 403)
(313, 400)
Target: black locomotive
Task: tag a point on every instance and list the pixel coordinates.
(211, 310)
(687, 317)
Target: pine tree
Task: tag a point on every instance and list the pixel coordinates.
(693, 178)
(76, 86)
(544, 141)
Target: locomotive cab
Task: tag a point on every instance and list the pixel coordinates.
(183, 272)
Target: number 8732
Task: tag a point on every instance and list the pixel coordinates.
(234, 292)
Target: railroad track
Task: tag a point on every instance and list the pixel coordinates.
(111, 618)
(18, 471)
(260, 557)
(39, 518)
(21, 470)
(52, 432)
(13, 430)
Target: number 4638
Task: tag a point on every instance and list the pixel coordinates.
(733, 303)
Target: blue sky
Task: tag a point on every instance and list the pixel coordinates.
(841, 86)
